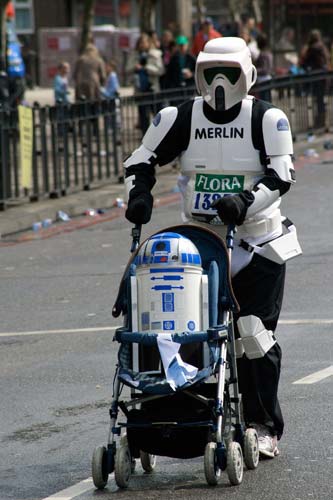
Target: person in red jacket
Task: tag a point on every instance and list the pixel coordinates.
(206, 33)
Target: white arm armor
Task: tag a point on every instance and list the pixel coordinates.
(263, 198)
(278, 143)
(279, 147)
(284, 168)
(140, 155)
(159, 127)
(156, 132)
(277, 135)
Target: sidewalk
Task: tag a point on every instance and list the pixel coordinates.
(22, 217)
(45, 96)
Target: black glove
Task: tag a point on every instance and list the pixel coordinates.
(231, 209)
(139, 208)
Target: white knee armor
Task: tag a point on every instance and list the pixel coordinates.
(255, 339)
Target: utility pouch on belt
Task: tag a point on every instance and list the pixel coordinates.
(281, 249)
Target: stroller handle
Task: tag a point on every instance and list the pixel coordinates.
(230, 236)
(136, 234)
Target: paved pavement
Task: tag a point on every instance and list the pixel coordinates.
(45, 96)
(21, 217)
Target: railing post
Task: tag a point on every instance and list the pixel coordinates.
(35, 182)
(114, 136)
(3, 179)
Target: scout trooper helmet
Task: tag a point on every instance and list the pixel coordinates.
(224, 72)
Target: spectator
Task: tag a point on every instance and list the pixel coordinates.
(89, 74)
(149, 65)
(167, 38)
(111, 89)
(315, 57)
(167, 48)
(147, 71)
(207, 32)
(264, 65)
(286, 56)
(60, 83)
(249, 23)
(154, 39)
(180, 71)
(250, 42)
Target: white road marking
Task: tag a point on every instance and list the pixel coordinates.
(111, 328)
(317, 321)
(73, 491)
(54, 332)
(316, 376)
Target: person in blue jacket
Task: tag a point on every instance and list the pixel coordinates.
(111, 89)
(60, 84)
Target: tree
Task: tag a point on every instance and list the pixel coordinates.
(3, 5)
(147, 9)
(200, 10)
(87, 21)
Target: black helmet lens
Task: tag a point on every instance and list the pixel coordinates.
(230, 72)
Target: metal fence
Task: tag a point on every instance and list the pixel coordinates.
(75, 147)
(306, 100)
(79, 146)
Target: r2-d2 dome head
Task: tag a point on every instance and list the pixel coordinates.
(224, 72)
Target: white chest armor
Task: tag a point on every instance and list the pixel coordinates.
(220, 160)
(221, 148)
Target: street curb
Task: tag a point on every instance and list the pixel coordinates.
(21, 218)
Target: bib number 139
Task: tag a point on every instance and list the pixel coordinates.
(203, 201)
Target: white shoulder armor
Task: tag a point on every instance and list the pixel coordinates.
(159, 127)
(276, 131)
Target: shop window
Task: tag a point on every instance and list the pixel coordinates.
(24, 16)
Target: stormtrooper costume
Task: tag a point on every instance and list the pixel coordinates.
(235, 157)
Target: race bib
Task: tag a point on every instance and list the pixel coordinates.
(210, 187)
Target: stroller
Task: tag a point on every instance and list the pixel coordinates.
(177, 354)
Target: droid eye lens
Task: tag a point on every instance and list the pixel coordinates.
(230, 72)
(160, 246)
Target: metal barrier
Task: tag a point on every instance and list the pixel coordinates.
(75, 147)
(78, 146)
(306, 100)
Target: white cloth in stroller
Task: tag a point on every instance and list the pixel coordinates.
(177, 372)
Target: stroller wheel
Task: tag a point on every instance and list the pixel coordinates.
(148, 461)
(212, 470)
(251, 449)
(122, 467)
(99, 467)
(235, 463)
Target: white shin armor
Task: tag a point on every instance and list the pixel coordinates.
(255, 338)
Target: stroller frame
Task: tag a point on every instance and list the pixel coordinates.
(229, 443)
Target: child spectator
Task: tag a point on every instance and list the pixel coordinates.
(60, 84)
(111, 89)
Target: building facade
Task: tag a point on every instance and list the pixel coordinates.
(180, 15)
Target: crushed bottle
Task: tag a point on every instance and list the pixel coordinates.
(63, 216)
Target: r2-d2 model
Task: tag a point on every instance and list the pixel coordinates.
(170, 291)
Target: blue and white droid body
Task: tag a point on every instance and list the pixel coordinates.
(170, 291)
